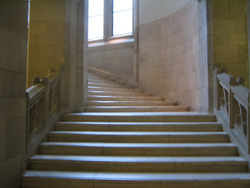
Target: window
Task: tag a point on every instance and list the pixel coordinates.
(110, 18)
(96, 18)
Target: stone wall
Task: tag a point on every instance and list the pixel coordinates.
(46, 37)
(169, 62)
(13, 60)
(230, 41)
(57, 37)
(112, 57)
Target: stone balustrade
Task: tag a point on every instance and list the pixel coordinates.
(44, 106)
(232, 99)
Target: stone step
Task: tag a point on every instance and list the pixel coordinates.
(115, 85)
(138, 137)
(116, 93)
(139, 117)
(123, 98)
(138, 149)
(130, 103)
(48, 179)
(95, 80)
(137, 164)
(136, 109)
(112, 89)
(133, 126)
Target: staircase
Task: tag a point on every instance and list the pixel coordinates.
(130, 139)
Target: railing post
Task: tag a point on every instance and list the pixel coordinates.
(45, 82)
(27, 119)
(216, 90)
(36, 80)
(61, 88)
(232, 82)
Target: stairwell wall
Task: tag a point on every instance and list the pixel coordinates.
(57, 37)
(113, 56)
(13, 61)
(172, 61)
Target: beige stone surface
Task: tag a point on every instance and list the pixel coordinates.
(169, 56)
(46, 37)
(230, 36)
(13, 62)
(15, 136)
(116, 58)
(2, 139)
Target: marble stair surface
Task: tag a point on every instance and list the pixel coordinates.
(129, 139)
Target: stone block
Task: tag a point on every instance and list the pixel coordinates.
(10, 107)
(10, 170)
(10, 50)
(2, 90)
(238, 39)
(47, 10)
(222, 39)
(243, 52)
(236, 9)
(23, 57)
(17, 83)
(56, 26)
(72, 77)
(79, 78)
(15, 136)
(4, 13)
(18, 19)
(60, 54)
(41, 54)
(23, 107)
(222, 26)
(2, 139)
(38, 28)
(220, 9)
(51, 39)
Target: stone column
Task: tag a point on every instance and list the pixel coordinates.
(136, 42)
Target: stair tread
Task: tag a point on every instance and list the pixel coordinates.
(141, 123)
(140, 114)
(130, 103)
(135, 133)
(138, 176)
(139, 126)
(141, 145)
(134, 159)
(147, 107)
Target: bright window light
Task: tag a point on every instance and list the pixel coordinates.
(96, 20)
(122, 17)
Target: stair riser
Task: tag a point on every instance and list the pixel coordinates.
(135, 127)
(124, 98)
(118, 93)
(140, 139)
(89, 166)
(137, 118)
(40, 182)
(92, 84)
(136, 109)
(102, 81)
(137, 151)
(111, 89)
(130, 103)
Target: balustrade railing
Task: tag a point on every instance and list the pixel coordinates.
(43, 104)
(232, 99)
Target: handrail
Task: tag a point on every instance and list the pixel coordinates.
(43, 106)
(233, 100)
